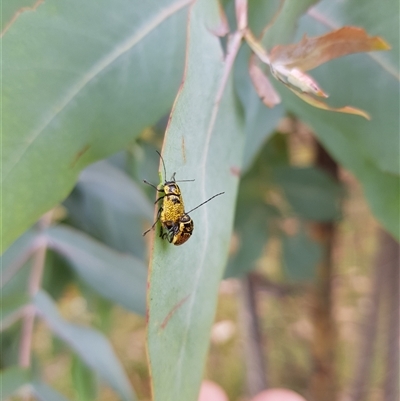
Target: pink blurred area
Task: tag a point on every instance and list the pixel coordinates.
(211, 391)
(278, 394)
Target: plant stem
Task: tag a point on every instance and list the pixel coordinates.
(323, 384)
(33, 287)
(391, 299)
(368, 330)
(253, 350)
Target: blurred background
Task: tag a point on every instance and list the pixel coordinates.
(305, 303)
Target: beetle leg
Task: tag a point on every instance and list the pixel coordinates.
(154, 224)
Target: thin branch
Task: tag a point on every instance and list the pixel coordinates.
(18, 262)
(33, 287)
(241, 7)
(233, 48)
(368, 329)
(323, 379)
(26, 337)
(390, 297)
(252, 339)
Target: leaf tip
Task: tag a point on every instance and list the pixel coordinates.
(222, 28)
(380, 44)
(321, 105)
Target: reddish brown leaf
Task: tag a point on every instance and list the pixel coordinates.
(288, 63)
(309, 53)
(321, 105)
(262, 85)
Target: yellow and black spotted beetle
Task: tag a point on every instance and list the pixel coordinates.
(172, 206)
(177, 223)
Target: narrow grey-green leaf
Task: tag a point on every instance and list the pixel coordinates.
(20, 251)
(12, 379)
(109, 205)
(43, 392)
(261, 13)
(80, 81)
(204, 141)
(253, 216)
(11, 308)
(119, 277)
(116, 187)
(253, 235)
(311, 192)
(19, 282)
(84, 380)
(300, 256)
(92, 346)
(283, 27)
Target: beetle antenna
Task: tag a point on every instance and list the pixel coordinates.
(148, 183)
(165, 171)
(208, 200)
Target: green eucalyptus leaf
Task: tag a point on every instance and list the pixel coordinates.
(19, 282)
(204, 141)
(311, 192)
(282, 28)
(44, 392)
(109, 205)
(57, 275)
(89, 344)
(118, 277)
(80, 80)
(12, 379)
(12, 9)
(11, 308)
(253, 220)
(84, 379)
(17, 254)
(300, 256)
(253, 233)
(261, 13)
